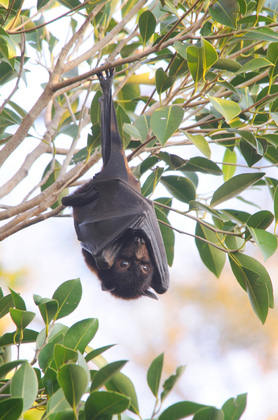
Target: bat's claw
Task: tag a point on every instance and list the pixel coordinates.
(109, 75)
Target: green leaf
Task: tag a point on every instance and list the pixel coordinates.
(21, 318)
(162, 81)
(147, 24)
(102, 405)
(122, 384)
(225, 12)
(18, 301)
(254, 64)
(48, 308)
(73, 380)
(229, 109)
(171, 382)
(142, 124)
(25, 385)
(63, 355)
(260, 220)
(106, 373)
(132, 131)
(57, 402)
(196, 205)
(11, 408)
(123, 118)
(95, 108)
(97, 352)
(234, 407)
(261, 34)
(275, 202)
(151, 182)
(229, 158)
(266, 241)
(227, 64)
(201, 164)
(213, 258)
(200, 142)
(253, 278)
(168, 235)
(154, 374)
(68, 296)
(180, 187)
(27, 336)
(6, 303)
(165, 121)
(210, 413)
(234, 186)
(79, 335)
(50, 381)
(180, 410)
(7, 367)
(200, 59)
(46, 354)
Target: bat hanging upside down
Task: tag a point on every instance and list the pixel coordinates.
(117, 226)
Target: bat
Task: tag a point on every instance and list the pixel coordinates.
(116, 225)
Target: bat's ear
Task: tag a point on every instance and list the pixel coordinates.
(149, 294)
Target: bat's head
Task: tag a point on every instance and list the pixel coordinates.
(130, 275)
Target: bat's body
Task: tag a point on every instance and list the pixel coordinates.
(116, 225)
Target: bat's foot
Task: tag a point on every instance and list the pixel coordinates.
(109, 77)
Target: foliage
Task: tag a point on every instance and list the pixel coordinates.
(215, 92)
(69, 380)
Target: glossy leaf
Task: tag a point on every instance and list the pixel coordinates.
(168, 235)
(147, 24)
(200, 142)
(230, 160)
(18, 300)
(94, 353)
(171, 382)
(63, 355)
(151, 182)
(68, 296)
(6, 302)
(180, 410)
(57, 402)
(25, 385)
(275, 201)
(123, 118)
(7, 367)
(234, 186)
(106, 404)
(225, 12)
(165, 121)
(162, 81)
(234, 407)
(142, 124)
(200, 59)
(266, 241)
(253, 278)
(210, 413)
(11, 408)
(106, 373)
(229, 109)
(203, 165)
(132, 131)
(122, 384)
(213, 258)
(79, 335)
(48, 308)
(180, 187)
(260, 220)
(254, 64)
(73, 380)
(21, 318)
(154, 374)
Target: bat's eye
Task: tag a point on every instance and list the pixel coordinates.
(145, 267)
(124, 264)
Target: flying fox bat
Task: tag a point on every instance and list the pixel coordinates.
(115, 223)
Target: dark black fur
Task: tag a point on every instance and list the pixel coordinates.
(116, 225)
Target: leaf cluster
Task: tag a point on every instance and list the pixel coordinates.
(67, 379)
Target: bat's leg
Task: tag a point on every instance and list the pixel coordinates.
(109, 127)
